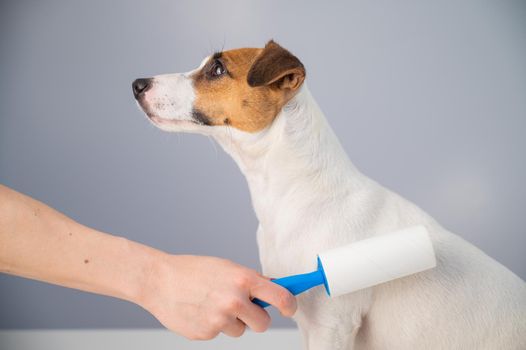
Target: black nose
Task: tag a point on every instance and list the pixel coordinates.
(139, 86)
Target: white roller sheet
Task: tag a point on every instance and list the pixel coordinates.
(378, 259)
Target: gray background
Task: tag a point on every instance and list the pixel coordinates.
(428, 98)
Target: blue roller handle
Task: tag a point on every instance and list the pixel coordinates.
(297, 284)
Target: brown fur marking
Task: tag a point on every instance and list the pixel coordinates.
(232, 98)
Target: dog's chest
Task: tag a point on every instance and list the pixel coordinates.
(289, 240)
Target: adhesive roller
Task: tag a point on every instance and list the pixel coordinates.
(366, 263)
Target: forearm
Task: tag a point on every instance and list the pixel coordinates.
(38, 242)
(195, 296)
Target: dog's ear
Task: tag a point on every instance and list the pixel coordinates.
(277, 67)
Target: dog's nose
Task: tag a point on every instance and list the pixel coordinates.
(139, 86)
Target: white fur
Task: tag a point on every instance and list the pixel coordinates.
(169, 101)
(309, 197)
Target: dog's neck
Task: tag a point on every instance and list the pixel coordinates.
(297, 160)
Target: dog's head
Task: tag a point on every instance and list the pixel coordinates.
(243, 88)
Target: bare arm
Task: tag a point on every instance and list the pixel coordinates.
(40, 243)
(197, 297)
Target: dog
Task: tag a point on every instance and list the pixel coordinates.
(308, 197)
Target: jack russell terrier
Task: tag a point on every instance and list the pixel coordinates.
(308, 197)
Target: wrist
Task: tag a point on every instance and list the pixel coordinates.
(148, 266)
(155, 266)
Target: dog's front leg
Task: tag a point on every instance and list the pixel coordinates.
(328, 338)
(330, 324)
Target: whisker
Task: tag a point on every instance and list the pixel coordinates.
(211, 48)
(231, 137)
(224, 41)
(213, 145)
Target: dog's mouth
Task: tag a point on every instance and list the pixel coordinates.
(160, 121)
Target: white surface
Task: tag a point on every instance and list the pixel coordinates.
(376, 260)
(132, 339)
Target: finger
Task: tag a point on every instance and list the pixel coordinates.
(275, 295)
(255, 317)
(235, 328)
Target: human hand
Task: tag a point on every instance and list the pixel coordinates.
(199, 296)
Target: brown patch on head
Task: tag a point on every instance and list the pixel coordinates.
(246, 88)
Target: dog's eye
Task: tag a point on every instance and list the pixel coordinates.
(218, 69)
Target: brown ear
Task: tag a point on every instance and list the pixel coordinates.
(275, 65)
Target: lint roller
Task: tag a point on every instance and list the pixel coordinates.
(366, 263)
